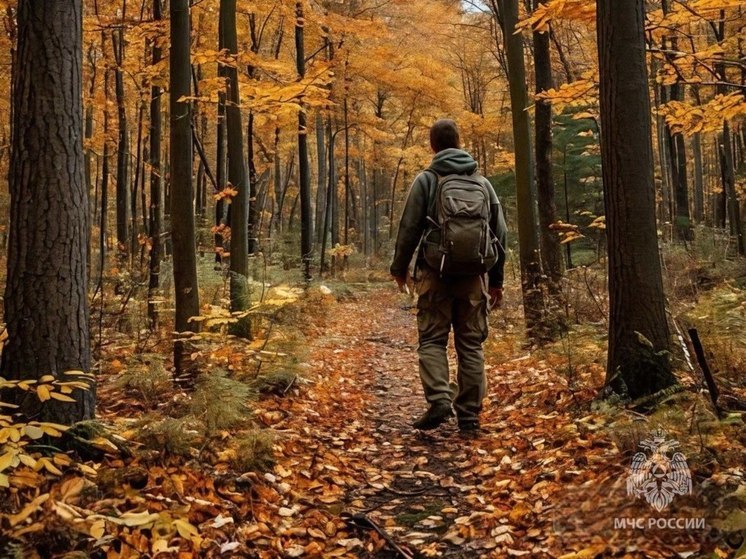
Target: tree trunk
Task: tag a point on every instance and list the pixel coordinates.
(156, 183)
(729, 185)
(550, 245)
(321, 175)
(123, 156)
(531, 273)
(239, 210)
(254, 210)
(182, 187)
(306, 235)
(638, 362)
(699, 203)
(46, 299)
(104, 219)
(677, 151)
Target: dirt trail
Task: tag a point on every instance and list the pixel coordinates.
(408, 478)
(538, 471)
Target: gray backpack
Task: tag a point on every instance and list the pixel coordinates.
(459, 241)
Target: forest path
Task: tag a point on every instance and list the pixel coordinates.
(351, 447)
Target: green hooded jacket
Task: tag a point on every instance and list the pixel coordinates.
(414, 222)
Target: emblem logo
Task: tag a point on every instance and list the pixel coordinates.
(659, 474)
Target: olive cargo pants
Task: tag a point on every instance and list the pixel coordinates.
(461, 303)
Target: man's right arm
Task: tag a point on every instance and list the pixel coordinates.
(411, 226)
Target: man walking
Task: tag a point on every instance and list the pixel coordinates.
(453, 214)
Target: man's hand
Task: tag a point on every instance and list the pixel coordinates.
(496, 296)
(401, 282)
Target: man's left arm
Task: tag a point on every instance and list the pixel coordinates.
(411, 227)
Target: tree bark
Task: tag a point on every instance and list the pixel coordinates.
(123, 155)
(156, 182)
(729, 185)
(306, 218)
(699, 203)
(322, 176)
(528, 235)
(638, 363)
(550, 245)
(237, 176)
(182, 187)
(46, 299)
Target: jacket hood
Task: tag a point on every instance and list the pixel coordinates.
(453, 161)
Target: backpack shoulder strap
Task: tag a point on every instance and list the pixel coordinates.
(432, 195)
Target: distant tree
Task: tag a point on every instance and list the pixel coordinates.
(182, 187)
(306, 218)
(46, 298)
(156, 181)
(123, 151)
(638, 361)
(528, 235)
(550, 246)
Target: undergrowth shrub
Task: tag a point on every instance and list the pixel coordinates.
(147, 379)
(254, 452)
(177, 436)
(219, 401)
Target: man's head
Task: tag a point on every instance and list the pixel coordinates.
(444, 135)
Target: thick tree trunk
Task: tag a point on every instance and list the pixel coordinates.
(182, 187)
(306, 218)
(638, 364)
(550, 245)
(156, 183)
(237, 176)
(46, 298)
(528, 235)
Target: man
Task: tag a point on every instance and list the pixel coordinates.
(449, 300)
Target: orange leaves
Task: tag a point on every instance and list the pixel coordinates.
(691, 119)
(572, 10)
(581, 93)
(227, 194)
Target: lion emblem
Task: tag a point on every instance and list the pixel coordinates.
(659, 475)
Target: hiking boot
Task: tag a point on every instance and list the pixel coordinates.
(469, 427)
(436, 415)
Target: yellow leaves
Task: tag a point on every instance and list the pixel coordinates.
(580, 93)
(33, 432)
(692, 119)
(342, 250)
(599, 223)
(28, 510)
(43, 391)
(572, 10)
(567, 232)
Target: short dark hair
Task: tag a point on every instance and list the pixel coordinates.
(444, 135)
